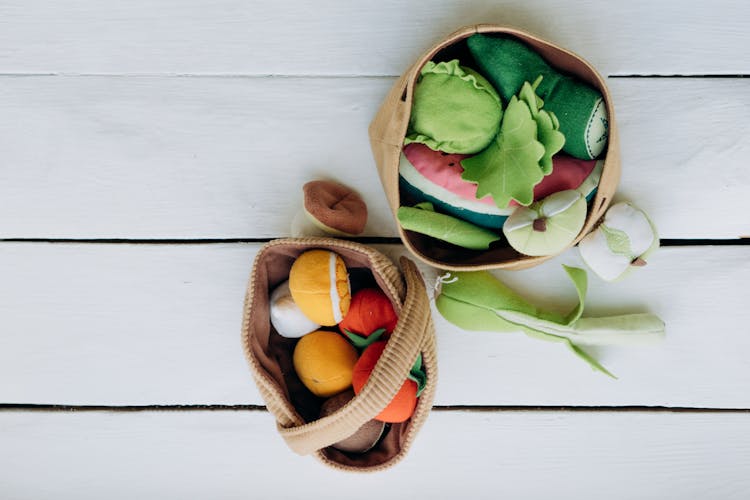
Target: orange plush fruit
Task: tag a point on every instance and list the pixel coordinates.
(319, 285)
(403, 403)
(324, 362)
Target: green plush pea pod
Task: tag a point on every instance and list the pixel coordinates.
(422, 218)
(478, 301)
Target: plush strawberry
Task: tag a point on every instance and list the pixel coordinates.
(370, 317)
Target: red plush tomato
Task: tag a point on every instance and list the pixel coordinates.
(403, 403)
(370, 310)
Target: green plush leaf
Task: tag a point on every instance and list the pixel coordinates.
(547, 134)
(547, 125)
(593, 363)
(479, 301)
(617, 241)
(361, 342)
(418, 375)
(581, 282)
(529, 96)
(509, 167)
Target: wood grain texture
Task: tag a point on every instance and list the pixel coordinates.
(530, 455)
(153, 157)
(159, 324)
(358, 37)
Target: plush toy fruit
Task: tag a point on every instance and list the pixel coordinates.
(548, 226)
(320, 286)
(625, 239)
(435, 177)
(569, 173)
(370, 316)
(286, 317)
(324, 362)
(455, 109)
(404, 402)
(365, 438)
(370, 310)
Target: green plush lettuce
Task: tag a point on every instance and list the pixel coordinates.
(509, 167)
(478, 301)
(547, 124)
(455, 109)
(521, 154)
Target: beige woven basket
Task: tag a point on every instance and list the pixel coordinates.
(388, 129)
(294, 408)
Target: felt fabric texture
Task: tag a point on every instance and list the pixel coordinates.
(567, 173)
(370, 310)
(625, 239)
(455, 109)
(319, 285)
(324, 362)
(590, 184)
(335, 208)
(402, 406)
(479, 301)
(365, 438)
(546, 227)
(435, 177)
(270, 356)
(508, 63)
(418, 375)
(287, 319)
(423, 219)
(510, 167)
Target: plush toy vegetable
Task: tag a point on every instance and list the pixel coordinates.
(521, 154)
(404, 402)
(624, 240)
(335, 208)
(320, 286)
(455, 109)
(548, 226)
(508, 63)
(365, 438)
(324, 362)
(370, 317)
(287, 319)
(422, 218)
(479, 301)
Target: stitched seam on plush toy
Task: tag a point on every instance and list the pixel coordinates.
(588, 128)
(333, 289)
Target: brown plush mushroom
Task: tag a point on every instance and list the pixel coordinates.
(335, 208)
(365, 438)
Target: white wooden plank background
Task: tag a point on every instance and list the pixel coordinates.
(159, 324)
(229, 455)
(356, 37)
(161, 120)
(155, 157)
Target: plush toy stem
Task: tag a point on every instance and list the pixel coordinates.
(638, 262)
(540, 224)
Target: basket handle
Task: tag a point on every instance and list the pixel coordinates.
(386, 378)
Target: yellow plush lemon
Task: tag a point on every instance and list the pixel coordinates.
(319, 285)
(324, 362)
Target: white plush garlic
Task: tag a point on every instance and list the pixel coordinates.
(286, 317)
(624, 239)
